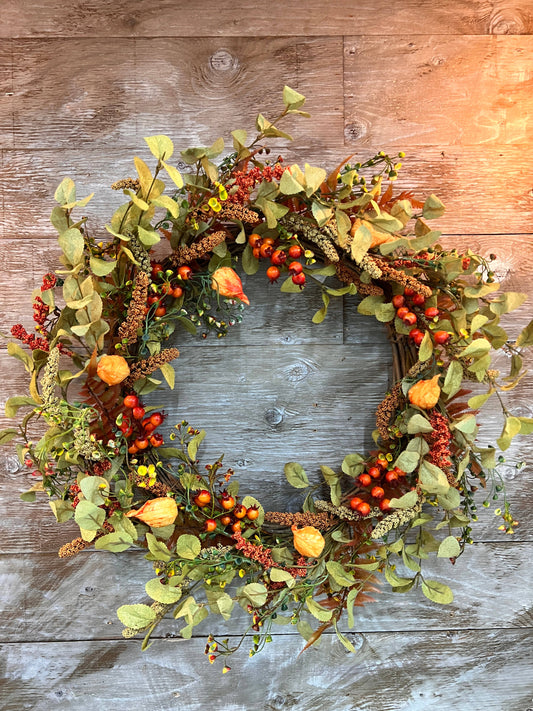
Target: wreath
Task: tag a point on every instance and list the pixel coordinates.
(104, 324)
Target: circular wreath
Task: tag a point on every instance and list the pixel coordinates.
(104, 462)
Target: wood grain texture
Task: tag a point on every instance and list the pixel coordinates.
(492, 586)
(487, 191)
(179, 18)
(451, 670)
(73, 92)
(476, 90)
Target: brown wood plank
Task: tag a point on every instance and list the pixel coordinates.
(72, 92)
(430, 670)
(486, 190)
(23, 18)
(491, 584)
(473, 90)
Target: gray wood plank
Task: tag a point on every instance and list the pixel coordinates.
(390, 672)
(470, 180)
(180, 18)
(474, 90)
(71, 92)
(492, 585)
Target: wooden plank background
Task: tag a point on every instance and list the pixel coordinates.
(449, 83)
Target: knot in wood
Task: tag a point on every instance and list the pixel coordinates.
(223, 61)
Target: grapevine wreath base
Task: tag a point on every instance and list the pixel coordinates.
(95, 358)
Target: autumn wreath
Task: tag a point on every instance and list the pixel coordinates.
(105, 323)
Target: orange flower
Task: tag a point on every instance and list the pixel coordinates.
(227, 282)
(157, 512)
(308, 541)
(112, 369)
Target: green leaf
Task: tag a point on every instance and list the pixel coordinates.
(173, 174)
(158, 549)
(507, 302)
(432, 478)
(318, 611)
(188, 546)
(89, 516)
(449, 548)
(115, 542)
(289, 287)
(526, 425)
(249, 501)
(72, 244)
(7, 435)
(136, 616)
(478, 401)
(353, 464)
(361, 242)
(385, 313)
(296, 475)
(288, 184)
(220, 603)
(466, 425)
(407, 461)
(369, 305)
(453, 379)
(292, 99)
(62, 510)
(478, 347)
(192, 447)
(249, 263)
(65, 192)
(161, 592)
(314, 177)
(15, 351)
(437, 592)
(394, 580)
(426, 348)
(148, 237)
(95, 489)
(525, 338)
(480, 290)
(511, 429)
(167, 203)
(169, 374)
(100, 267)
(433, 208)
(277, 575)
(256, 593)
(418, 424)
(160, 146)
(407, 501)
(321, 213)
(333, 479)
(339, 574)
(451, 499)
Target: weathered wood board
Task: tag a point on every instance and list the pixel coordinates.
(450, 84)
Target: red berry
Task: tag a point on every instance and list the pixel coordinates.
(391, 476)
(131, 401)
(384, 504)
(227, 502)
(153, 299)
(176, 292)
(240, 511)
(399, 472)
(141, 443)
(156, 419)
(377, 492)
(398, 300)
(295, 251)
(402, 311)
(298, 279)
(465, 263)
(409, 319)
(416, 335)
(408, 291)
(354, 503)
(236, 526)
(363, 508)
(138, 412)
(133, 449)
(256, 252)
(266, 249)
(295, 268)
(278, 257)
(255, 241)
(418, 300)
(252, 513)
(160, 311)
(441, 337)
(225, 520)
(156, 268)
(156, 440)
(374, 472)
(431, 312)
(364, 479)
(185, 272)
(273, 274)
(210, 525)
(202, 498)
(148, 426)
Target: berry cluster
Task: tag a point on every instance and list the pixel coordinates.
(137, 428)
(379, 483)
(225, 511)
(411, 309)
(242, 182)
(268, 248)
